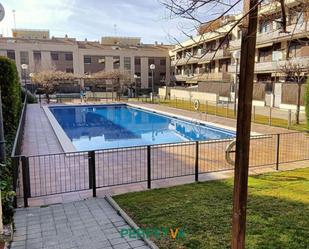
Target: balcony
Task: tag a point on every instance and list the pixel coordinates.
(271, 66)
(205, 77)
(260, 67)
(220, 76)
(198, 58)
(277, 35)
(220, 54)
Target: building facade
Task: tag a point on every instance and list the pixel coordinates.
(211, 56)
(84, 57)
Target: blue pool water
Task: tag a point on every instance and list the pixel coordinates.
(113, 126)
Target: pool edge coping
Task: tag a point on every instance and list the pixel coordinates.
(68, 147)
(229, 128)
(65, 142)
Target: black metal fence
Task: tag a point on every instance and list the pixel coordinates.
(67, 172)
(17, 147)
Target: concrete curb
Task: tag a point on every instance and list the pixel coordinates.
(130, 222)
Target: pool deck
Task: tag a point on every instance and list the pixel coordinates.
(40, 138)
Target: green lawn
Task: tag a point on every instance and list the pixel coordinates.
(224, 112)
(278, 212)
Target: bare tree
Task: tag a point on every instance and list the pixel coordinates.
(296, 71)
(49, 80)
(194, 10)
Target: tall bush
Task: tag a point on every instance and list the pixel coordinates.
(11, 106)
(307, 104)
(11, 97)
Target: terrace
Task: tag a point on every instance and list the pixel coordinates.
(52, 175)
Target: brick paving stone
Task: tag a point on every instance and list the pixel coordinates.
(81, 224)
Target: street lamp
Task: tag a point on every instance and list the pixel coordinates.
(135, 82)
(24, 68)
(236, 56)
(152, 68)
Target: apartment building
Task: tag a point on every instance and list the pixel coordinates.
(66, 54)
(198, 60)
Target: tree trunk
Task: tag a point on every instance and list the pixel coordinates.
(245, 93)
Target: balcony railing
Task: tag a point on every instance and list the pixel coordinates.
(276, 35)
(220, 76)
(200, 58)
(272, 66)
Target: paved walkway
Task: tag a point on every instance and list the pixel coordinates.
(91, 224)
(39, 136)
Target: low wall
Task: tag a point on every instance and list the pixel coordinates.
(102, 95)
(185, 94)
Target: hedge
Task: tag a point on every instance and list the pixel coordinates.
(11, 107)
(11, 97)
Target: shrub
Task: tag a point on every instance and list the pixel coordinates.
(11, 97)
(11, 106)
(307, 104)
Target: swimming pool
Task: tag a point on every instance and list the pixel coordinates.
(114, 126)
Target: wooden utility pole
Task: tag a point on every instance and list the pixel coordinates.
(248, 43)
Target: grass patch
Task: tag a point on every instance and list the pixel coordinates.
(223, 111)
(277, 215)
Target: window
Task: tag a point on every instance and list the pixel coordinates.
(137, 60)
(265, 26)
(238, 34)
(116, 62)
(265, 54)
(11, 54)
(294, 48)
(54, 56)
(150, 61)
(127, 63)
(163, 62)
(87, 60)
(37, 56)
(69, 70)
(24, 57)
(210, 67)
(224, 65)
(101, 60)
(69, 57)
(162, 76)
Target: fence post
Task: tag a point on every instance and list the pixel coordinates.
(26, 179)
(148, 167)
(196, 160)
(253, 116)
(227, 109)
(278, 151)
(92, 174)
(289, 118)
(15, 161)
(269, 121)
(216, 112)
